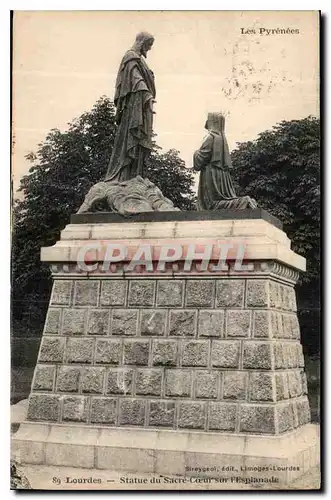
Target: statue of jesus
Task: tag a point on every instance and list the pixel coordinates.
(134, 97)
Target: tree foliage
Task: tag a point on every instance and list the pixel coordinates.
(64, 167)
(167, 170)
(281, 170)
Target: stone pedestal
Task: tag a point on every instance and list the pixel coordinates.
(171, 352)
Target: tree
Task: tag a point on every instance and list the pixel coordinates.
(63, 169)
(281, 169)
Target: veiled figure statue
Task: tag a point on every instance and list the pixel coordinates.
(134, 97)
(213, 161)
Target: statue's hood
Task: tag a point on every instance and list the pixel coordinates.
(216, 123)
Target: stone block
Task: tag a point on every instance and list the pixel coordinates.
(261, 324)
(73, 321)
(281, 382)
(206, 384)
(132, 412)
(164, 352)
(258, 355)
(183, 323)
(69, 455)
(170, 293)
(27, 454)
(80, 350)
(276, 325)
(234, 385)
(284, 353)
(192, 415)
(124, 459)
(222, 416)
(285, 417)
(44, 378)
(280, 325)
(136, 352)
(295, 413)
(290, 354)
(303, 410)
(98, 322)
(120, 381)
(141, 293)
(148, 382)
(162, 413)
(211, 324)
(257, 418)
(103, 410)
(304, 382)
(300, 356)
(108, 352)
(225, 353)
(178, 383)
(287, 326)
(257, 293)
(284, 297)
(238, 323)
(230, 293)
(294, 383)
(113, 293)
(86, 292)
(75, 408)
(200, 293)
(262, 387)
(61, 293)
(68, 379)
(296, 352)
(280, 362)
(92, 380)
(295, 327)
(43, 407)
(153, 322)
(170, 463)
(288, 297)
(124, 322)
(287, 354)
(275, 300)
(52, 324)
(195, 353)
(51, 350)
(293, 300)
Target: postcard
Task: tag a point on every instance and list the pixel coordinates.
(165, 302)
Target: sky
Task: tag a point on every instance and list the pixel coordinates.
(203, 61)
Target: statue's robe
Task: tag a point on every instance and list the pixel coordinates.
(135, 88)
(215, 183)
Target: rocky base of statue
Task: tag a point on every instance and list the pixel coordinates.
(130, 197)
(241, 203)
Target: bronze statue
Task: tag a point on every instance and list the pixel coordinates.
(126, 198)
(134, 97)
(216, 190)
(125, 189)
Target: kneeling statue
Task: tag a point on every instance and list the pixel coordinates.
(213, 161)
